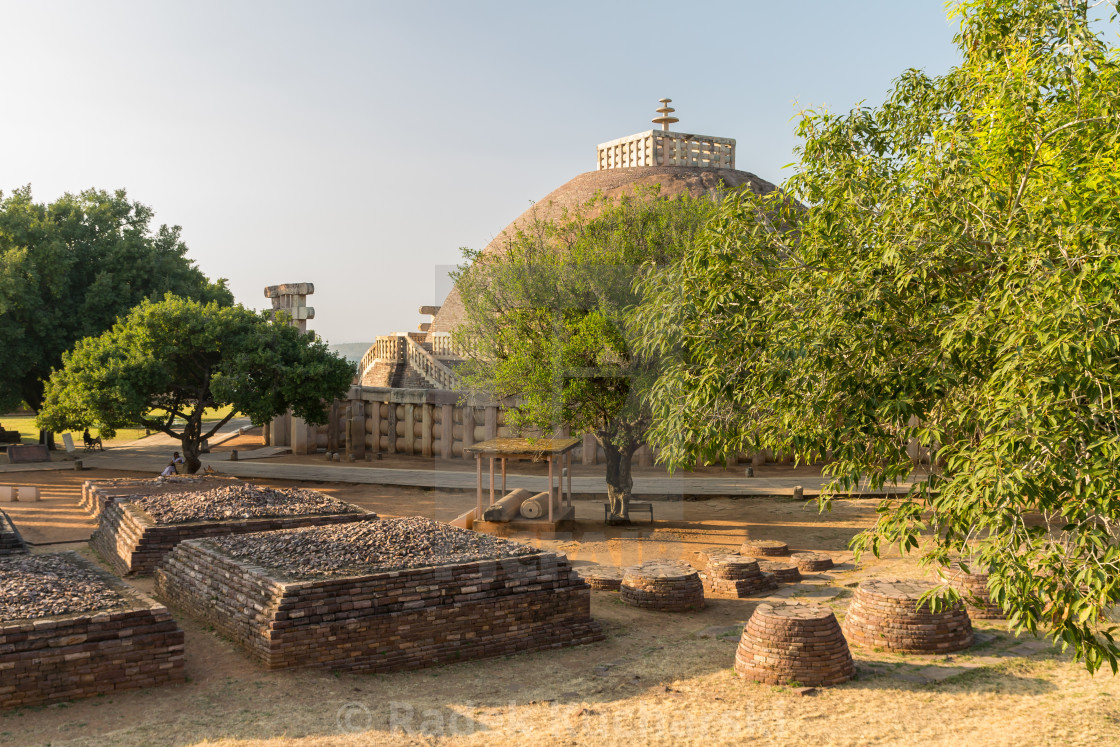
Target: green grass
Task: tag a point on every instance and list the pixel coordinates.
(29, 432)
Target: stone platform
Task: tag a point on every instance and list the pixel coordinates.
(786, 643)
(120, 640)
(413, 605)
(735, 576)
(811, 562)
(96, 494)
(886, 613)
(132, 541)
(972, 585)
(602, 577)
(764, 549)
(11, 543)
(663, 585)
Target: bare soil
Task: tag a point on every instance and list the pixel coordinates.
(659, 678)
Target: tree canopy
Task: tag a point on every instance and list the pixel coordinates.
(69, 269)
(953, 280)
(547, 323)
(165, 363)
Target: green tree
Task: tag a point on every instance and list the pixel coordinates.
(547, 324)
(69, 269)
(166, 362)
(953, 281)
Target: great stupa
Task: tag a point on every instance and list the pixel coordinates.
(678, 161)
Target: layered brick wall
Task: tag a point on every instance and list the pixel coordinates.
(10, 541)
(390, 621)
(132, 543)
(65, 657)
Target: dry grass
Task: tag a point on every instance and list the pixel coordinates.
(658, 679)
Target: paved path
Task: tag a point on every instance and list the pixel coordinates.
(151, 454)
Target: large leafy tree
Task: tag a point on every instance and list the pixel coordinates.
(547, 325)
(69, 269)
(165, 363)
(954, 279)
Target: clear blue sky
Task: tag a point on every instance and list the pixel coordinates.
(358, 145)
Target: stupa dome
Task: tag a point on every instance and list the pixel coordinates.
(679, 162)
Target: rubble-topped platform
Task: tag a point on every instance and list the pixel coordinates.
(395, 594)
(388, 545)
(136, 532)
(69, 630)
(97, 493)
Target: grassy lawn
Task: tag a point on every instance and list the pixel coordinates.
(29, 432)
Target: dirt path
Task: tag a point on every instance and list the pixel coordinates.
(657, 679)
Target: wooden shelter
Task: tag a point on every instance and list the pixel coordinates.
(558, 452)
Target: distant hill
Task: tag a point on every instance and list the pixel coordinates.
(351, 350)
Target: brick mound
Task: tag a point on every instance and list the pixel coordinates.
(385, 617)
(785, 573)
(786, 643)
(884, 613)
(764, 548)
(663, 585)
(10, 541)
(736, 576)
(69, 630)
(703, 556)
(973, 586)
(811, 562)
(96, 494)
(133, 541)
(602, 577)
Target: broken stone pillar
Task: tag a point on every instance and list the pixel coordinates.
(291, 299)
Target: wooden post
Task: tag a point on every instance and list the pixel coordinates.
(503, 475)
(410, 428)
(569, 457)
(426, 431)
(478, 473)
(551, 459)
(491, 481)
(447, 431)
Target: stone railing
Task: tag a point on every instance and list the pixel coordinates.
(388, 348)
(431, 369)
(405, 349)
(659, 148)
(443, 346)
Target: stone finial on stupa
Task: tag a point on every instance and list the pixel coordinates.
(665, 120)
(665, 148)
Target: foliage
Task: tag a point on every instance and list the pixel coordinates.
(953, 279)
(166, 362)
(547, 320)
(69, 269)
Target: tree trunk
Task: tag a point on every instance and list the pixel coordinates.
(191, 449)
(620, 482)
(47, 437)
(191, 438)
